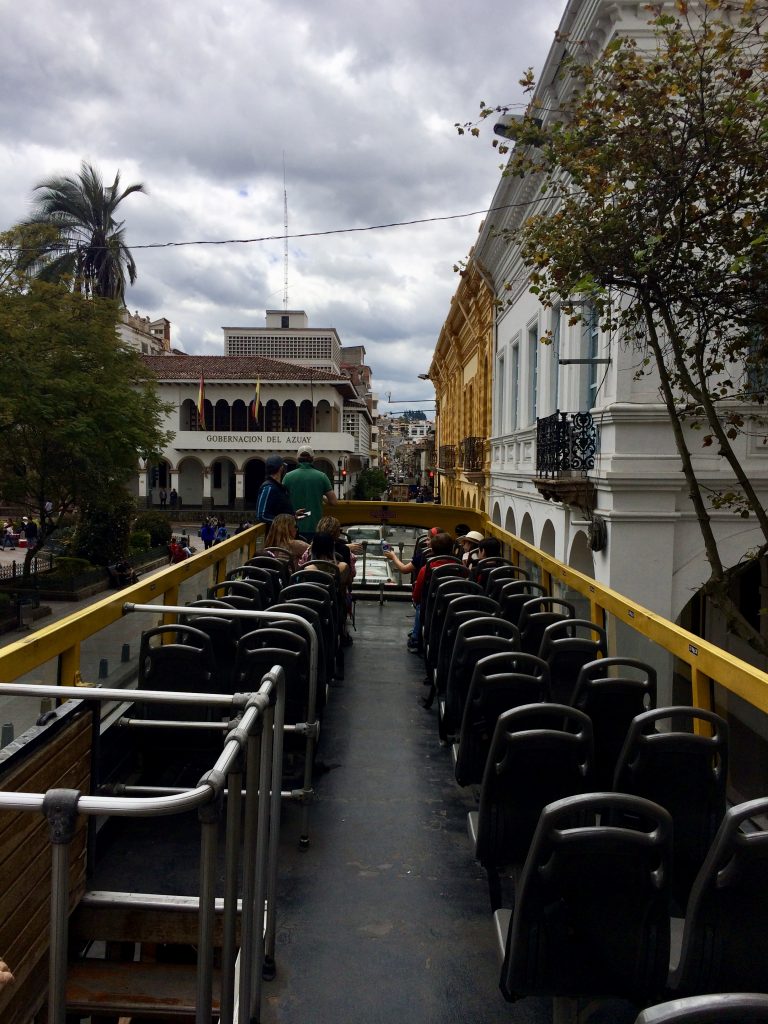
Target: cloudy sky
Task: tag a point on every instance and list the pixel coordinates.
(203, 101)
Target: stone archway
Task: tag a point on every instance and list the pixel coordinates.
(526, 529)
(509, 522)
(581, 557)
(496, 515)
(548, 539)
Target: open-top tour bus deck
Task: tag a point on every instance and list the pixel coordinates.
(290, 835)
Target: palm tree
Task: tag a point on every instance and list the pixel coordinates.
(89, 245)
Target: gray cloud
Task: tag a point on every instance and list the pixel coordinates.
(202, 102)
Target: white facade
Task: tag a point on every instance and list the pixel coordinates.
(287, 337)
(652, 550)
(221, 464)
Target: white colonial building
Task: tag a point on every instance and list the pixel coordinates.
(582, 459)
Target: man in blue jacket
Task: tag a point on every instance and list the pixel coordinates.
(273, 498)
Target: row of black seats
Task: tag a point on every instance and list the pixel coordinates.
(601, 870)
(221, 654)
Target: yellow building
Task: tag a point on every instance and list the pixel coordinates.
(461, 371)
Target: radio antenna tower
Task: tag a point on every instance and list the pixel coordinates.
(285, 240)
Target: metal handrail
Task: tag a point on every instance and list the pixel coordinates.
(259, 733)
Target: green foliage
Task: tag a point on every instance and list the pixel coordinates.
(77, 407)
(156, 524)
(370, 485)
(656, 215)
(67, 566)
(140, 540)
(104, 525)
(87, 247)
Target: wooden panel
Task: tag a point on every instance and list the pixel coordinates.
(135, 989)
(123, 921)
(25, 863)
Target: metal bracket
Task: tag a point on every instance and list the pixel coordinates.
(60, 810)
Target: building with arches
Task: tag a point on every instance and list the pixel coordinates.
(580, 458)
(218, 461)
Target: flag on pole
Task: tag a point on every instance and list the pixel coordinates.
(255, 402)
(201, 404)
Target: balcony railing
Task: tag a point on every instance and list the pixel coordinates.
(566, 443)
(472, 454)
(447, 456)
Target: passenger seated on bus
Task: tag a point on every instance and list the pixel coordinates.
(330, 524)
(470, 545)
(323, 548)
(441, 546)
(282, 534)
(489, 547)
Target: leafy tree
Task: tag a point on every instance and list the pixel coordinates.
(104, 526)
(77, 407)
(370, 485)
(654, 208)
(88, 246)
(156, 525)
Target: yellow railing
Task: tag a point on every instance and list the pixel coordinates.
(62, 639)
(708, 663)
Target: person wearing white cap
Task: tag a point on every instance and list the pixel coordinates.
(309, 488)
(470, 542)
(29, 529)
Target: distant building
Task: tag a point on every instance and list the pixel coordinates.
(310, 392)
(150, 337)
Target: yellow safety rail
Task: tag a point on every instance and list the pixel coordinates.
(708, 663)
(62, 639)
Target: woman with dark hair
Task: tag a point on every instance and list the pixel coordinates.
(282, 534)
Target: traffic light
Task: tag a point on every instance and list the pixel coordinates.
(343, 474)
(431, 474)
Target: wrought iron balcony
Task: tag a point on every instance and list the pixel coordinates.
(566, 444)
(472, 454)
(447, 457)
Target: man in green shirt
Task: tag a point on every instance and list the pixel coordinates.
(309, 488)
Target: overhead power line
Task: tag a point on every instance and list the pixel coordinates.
(331, 231)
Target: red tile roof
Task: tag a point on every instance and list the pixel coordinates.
(235, 368)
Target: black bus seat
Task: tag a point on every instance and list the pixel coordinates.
(329, 645)
(324, 600)
(449, 566)
(499, 683)
(502, 574)
(591, 914)
(265, 578)
(536, 615)
(514, 594)
(725, 939)
(612, 691)
(539, 753)
(273, 564)
(445, 591)
(461, 608)
(239, 594)
(566, 647)
(476, 639)
(479, 570)
(259, 650)
(312, 616)
(325, 582)
(223, 633)
(185, 664)
(711, 1009)
(665, 761)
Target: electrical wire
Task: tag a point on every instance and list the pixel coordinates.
(317, 234)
